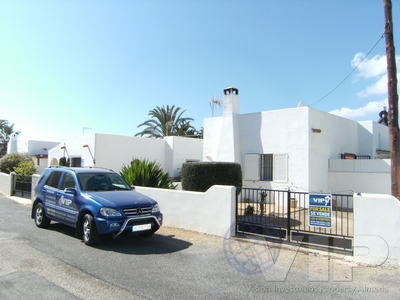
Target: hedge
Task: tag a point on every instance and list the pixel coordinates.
(200, 176)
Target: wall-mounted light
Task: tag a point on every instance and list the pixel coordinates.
(90, 152)
(316, 130)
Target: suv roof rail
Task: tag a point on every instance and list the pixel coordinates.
(101, 168)
(58, 167)
(70, 168)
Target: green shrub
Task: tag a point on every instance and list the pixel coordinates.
(9, 162)
(25, 168)
(200, 176)
(146, 173)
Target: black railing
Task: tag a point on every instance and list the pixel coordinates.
(23, 186)
(284, 215)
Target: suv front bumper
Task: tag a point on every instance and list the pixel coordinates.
(118, 225)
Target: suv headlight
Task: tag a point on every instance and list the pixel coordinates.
(109, 212)
(155, 209)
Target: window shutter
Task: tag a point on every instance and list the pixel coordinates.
(280, 167)
(252, 167)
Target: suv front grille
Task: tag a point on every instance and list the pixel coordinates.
(138, 211)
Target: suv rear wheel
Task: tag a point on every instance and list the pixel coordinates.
(40, 217)
(89, 230)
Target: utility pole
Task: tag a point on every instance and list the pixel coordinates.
(393, 99)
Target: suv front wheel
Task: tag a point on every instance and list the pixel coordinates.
(89, 230)
(40, 217)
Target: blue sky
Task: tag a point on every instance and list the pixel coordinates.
(68, 64)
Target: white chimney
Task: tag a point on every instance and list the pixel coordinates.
(229, 145)
(231, 101)
(12, 146)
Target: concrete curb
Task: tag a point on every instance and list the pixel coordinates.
(19, 200)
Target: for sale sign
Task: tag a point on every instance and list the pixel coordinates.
(320, 210)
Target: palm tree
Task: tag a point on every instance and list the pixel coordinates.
(186, 129)
(6, 130)
(166, 121)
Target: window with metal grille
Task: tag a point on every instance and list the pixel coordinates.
(266, 167)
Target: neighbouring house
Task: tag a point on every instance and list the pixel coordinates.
(300, 148)
(113, 151)
(37, 149)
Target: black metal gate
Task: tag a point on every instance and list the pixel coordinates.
(23, 186)
(282, 216)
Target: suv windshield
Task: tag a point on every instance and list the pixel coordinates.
(102, 182)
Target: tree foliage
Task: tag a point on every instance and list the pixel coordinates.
(6, 130)
(146, 173)
(167, 121)
(9, 162)
(25, 168)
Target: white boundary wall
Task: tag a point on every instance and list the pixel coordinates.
(5, 183)
(359, 175)
(211, 212)
(376, 229)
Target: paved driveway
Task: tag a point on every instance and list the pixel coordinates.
(53, 263)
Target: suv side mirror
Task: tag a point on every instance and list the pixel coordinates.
(70, 191)
(132, 187)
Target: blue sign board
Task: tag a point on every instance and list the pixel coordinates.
(320, 210)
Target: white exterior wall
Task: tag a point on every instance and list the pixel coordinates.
(339, 135)
(348, 183)
(212, 212)
(43, 163)
(113, 151)
(74, 148)
(40, 147)
(290, 131)
(359, 175)
(180, 150)
(222, 134)
(381, 137)
(373, 136)
(278, 132)
(360, 165)
(376, 238)
(212, 137)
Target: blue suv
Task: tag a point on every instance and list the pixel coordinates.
(93, 201)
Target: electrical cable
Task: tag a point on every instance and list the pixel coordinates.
(351, 72)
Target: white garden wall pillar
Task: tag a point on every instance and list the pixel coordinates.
(35, 180)
(229, 144)
(376, 229)
(6, 184)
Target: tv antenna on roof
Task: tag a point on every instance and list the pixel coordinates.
(214, 104)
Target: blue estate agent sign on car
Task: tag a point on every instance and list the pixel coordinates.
(320, 210)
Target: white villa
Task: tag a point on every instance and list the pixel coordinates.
(299, 148)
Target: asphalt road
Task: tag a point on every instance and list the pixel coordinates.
(174, 264)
